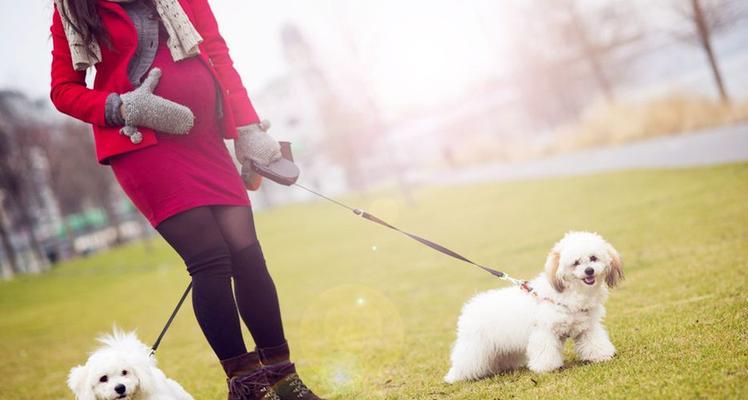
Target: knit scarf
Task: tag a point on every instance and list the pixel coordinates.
(183, 38)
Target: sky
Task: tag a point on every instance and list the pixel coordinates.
(411, 53)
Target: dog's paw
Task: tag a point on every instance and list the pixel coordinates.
(547, 361)
(545, 366)
(596, 352)
(600, 357)
(451, 377)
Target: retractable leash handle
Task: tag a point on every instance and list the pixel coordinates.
(283, 170)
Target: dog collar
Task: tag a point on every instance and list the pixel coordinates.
(525, 287)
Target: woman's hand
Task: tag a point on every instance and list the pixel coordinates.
(254, 144)
(143, 108)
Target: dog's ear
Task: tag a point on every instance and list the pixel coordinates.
(143, 367)
(551, 267)
(78, 383)
(615, 269)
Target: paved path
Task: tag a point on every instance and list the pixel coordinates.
(715, 146)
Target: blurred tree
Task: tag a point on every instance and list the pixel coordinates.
(707, 18)
(5, 179)
(21, 133)
(46, 169)
(563, 44)
(11, 268)
(349, 123)
(76, 178)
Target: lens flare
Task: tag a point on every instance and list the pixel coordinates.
(353, 335)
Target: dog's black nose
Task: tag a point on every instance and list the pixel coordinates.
(120, 388)
(589, 271)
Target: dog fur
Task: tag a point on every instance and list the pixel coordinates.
(125, 362)
(506, 329)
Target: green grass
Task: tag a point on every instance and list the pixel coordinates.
(371, 314)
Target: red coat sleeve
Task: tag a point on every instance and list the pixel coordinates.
(218, 52)
(68, 90)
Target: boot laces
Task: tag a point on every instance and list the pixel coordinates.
(282, 372)
(299, 387)
(250, 387)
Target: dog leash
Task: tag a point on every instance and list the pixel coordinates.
(522, 284)
(284, 172)
(436, 246)
(171, 319)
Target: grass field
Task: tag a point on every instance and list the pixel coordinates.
(371, 314)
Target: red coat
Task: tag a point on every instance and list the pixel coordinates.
(71, 96)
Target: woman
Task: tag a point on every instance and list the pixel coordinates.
(165, 96)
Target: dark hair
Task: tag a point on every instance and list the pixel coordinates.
(85, 20)
(84, 17)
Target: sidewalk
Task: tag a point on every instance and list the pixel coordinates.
(709, 147)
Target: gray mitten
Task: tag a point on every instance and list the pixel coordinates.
(255, 144)
(143, 108)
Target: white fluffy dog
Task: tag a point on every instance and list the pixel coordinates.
(505, 329)
(123, 369)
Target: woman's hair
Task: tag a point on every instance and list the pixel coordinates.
(84, 17)
(85, 20)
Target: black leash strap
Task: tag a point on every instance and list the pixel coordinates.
(171, 319)
(417, 238)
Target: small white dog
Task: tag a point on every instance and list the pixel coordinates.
(123, 369)
(509, 328)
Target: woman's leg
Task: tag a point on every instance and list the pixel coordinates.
(258, 302)
(254, 288)
(195, 235)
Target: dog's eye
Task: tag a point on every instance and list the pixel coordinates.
(124, 372)
(576, 263)
(593, 258)
(103, 379)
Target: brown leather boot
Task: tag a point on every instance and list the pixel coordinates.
(247, 379)
(281, 373)
(286, 382)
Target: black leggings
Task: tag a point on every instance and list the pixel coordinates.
(218, 243)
